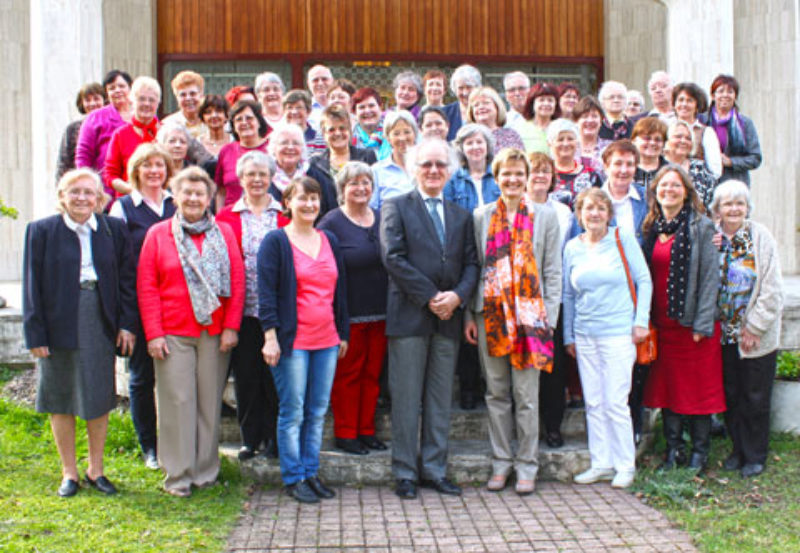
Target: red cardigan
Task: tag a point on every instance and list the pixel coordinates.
(123, 143)
(164, 302)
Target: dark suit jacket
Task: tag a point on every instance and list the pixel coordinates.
(328, 199)
(322, 164)
(50, 283)
(419, 267)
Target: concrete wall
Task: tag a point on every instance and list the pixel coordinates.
(635, 37)
(15, 131)
(130, 36)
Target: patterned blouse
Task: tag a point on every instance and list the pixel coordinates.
(254, 228)
(704, 181)
(737, 278)
(569, 185)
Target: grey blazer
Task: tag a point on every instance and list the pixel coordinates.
(546, 252)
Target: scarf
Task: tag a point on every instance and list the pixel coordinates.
(729, 129)
(680, 254)
(149, 130)
(513, 309)
(281, 180)
(363, 140)
(208, 275)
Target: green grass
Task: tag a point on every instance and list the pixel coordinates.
(722, 511)
(140, 518)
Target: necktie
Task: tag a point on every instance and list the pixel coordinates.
(437, 221)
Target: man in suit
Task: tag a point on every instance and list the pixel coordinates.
(428, 248)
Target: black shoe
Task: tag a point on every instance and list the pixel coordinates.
(752, 469)
(350, 445)
(554, 439)
(322, 491)
(372, 443)
(271, 450)
(68, 487)
(576, 403)
(468, 401)
(246, 453)
(102, 484)
(697, 462)
(443, 485)
(672, 459)
(406, 489)
(733, 462)
(302, 492)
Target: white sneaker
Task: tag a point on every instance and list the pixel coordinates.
(623, 479)
(593, 475)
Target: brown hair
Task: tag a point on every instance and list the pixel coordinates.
(541, 159)
(695, 92)
(193, 173)
(214, 101)
(90, 89)
(334, 112)
(654, 208)
(585, 105)
(435, 74)
(309, 186)
(650, 126)
(538, 90)
(595, 195)
(622, 146)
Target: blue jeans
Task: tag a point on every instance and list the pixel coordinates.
(303, 380)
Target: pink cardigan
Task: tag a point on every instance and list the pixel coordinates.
(164, 302)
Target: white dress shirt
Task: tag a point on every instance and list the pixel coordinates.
(84, 232)
(623, 209)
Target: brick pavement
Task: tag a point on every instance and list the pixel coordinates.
(558, 517)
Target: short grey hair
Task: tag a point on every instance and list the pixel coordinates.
(394, 117)
(607, 86)
(731, 190)
(466, 73)
(561, 125)
(513, 75)
(168, 127)
(286, 128)
(256, 157)
(635, 94)
(408, 76)
(424, 144)
(657, 76)
(143, 82)
(74, 175)
(269, 77)
(352, 170)
(469, 130)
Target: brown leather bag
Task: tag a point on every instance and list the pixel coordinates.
(647, 350)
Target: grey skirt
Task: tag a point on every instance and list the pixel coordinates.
(80, 381)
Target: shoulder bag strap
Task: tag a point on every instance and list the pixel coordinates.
(625, 264)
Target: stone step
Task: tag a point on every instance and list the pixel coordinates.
(464, 425)
(468, 461)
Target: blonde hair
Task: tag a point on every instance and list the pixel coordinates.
(71, 177)
(140, 155)
(594, 195)
(508, 155)
(492, 94)
(187, 78)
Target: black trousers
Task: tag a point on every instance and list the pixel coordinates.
(141, 383)
(256, 398)
(748, 391)
(469, 369)
(636, 396)
(552, 399)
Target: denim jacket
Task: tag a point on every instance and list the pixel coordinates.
(461, 190)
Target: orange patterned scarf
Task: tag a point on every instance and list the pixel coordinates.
(513, 309)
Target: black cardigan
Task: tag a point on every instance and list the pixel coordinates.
(51, 287)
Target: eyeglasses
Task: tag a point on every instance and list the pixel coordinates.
(429, 164)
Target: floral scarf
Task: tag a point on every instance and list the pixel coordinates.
(208, 275)
(363, 140)
(281, 180)
(514, 312)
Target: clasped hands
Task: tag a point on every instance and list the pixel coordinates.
(444, 304)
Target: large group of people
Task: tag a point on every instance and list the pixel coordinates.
(309, 242)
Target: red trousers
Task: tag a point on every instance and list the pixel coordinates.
(355, 386)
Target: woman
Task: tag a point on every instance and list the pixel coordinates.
(145, 97)
(91, 96)
(463, 81)
(99, 125)
(368, 131)
(613, 96)
(253, 215)
(191, 293)
(434, 85)
(433, 122)
(355, 386)
(79, 299)
(269, 89)
(572, 177)
(689, 100)
(214, 112)
(513, 315)
(541, 108)
(486, 108)
(649, 136)
(249, 133)
(175, 139)
(473, 185)
(341, 93)
(390, 176)
(238, 93)
(149, 172)
(750, 302)
(407, 88)
(552, 401)
(335, 126)
(738, 139)
(677, 152)
(602, 325)
(589, 115)
(686, 378)
(287, 147)
(568, 98)
(302, 306)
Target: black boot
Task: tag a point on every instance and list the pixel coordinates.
(673, 435)
(700, 430)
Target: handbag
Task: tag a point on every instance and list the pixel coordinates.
(647, 350)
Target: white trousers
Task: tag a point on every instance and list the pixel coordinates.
(605, 364)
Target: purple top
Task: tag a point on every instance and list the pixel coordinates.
(505, 137)
(95, 136)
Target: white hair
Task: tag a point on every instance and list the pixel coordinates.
(731, 190)
(658, 76)
(269, 77)
(291, 129)
(467, 74)
(561, 125)
(425, 144)
(513, 75)
(143, 82)
(256, 157)
(606, 88)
